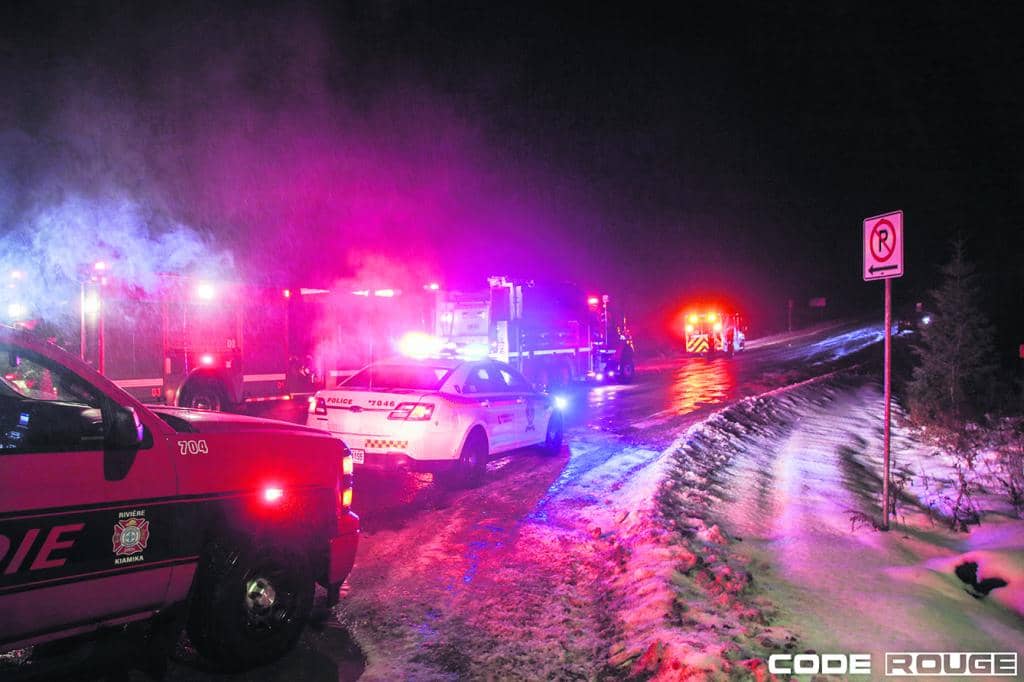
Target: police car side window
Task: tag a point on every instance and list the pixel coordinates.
(513, 379)
(481, 379)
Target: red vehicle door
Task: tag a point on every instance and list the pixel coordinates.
(85, 532)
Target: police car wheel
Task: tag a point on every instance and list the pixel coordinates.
(469, 468)
(250, 604)
(553, 437)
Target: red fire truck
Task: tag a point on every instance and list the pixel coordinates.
(707, 333)
(203, 343)
(200, 343)
(552, 333)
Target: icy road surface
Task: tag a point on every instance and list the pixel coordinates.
(510, 579)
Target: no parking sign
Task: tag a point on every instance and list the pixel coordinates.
(883, 246)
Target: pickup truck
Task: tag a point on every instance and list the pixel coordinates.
(112, 512)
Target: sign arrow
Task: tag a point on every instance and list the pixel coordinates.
(882, 268)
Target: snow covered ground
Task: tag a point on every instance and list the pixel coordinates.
(764, 517)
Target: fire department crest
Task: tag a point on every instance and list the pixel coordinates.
(130, 536)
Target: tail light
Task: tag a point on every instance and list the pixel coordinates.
(318, 406)
(412, 412)
(345, 481)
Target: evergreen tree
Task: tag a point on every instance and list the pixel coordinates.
(955, 377)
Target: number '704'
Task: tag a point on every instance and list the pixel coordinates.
(193, 447)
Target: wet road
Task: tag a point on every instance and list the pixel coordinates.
(507, 578)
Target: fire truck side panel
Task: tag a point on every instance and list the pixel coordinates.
(131, 347)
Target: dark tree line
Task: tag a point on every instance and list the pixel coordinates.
(956, 377)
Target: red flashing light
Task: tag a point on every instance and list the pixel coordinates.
(99, 266)
(287, 293)
(206, 360)
(384, 293)
(593, 300)
(694, 318)
(272, 494)
(433, 286)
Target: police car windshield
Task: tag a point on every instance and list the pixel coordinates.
(409, 377)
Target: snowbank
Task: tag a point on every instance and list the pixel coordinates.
(762, 540)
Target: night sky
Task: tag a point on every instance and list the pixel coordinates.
(658, 154)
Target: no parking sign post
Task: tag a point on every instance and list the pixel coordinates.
(883, 259)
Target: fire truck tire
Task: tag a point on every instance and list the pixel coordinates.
(469, 470)
(249, 603)
(627, 372)
(203, 394)
(554, 435)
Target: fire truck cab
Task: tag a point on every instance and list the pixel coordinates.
(551, 332)
(712, 332)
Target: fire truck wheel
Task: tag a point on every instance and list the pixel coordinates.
(469, 470)
(627, 372)
(249, 603)
(203, 394)
(553, 437)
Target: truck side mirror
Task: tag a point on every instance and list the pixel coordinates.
(126, 430)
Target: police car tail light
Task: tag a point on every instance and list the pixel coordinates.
(413, 412)
(318, 406)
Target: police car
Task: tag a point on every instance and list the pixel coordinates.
(112, 512)
(444, 416)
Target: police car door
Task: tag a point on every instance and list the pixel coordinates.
(497, 406)
(84, 533)
(528, 412)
